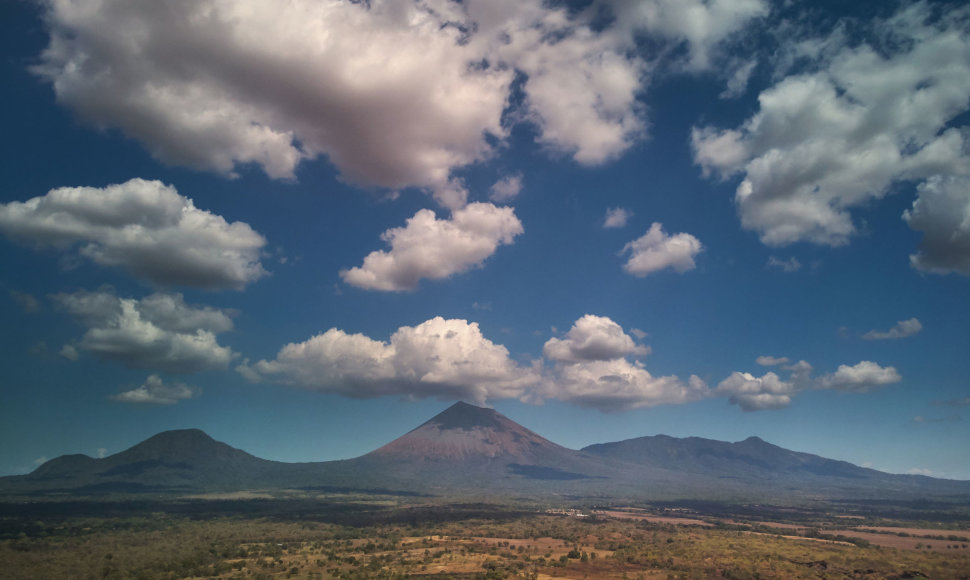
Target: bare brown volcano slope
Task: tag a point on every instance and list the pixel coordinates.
(466, 432)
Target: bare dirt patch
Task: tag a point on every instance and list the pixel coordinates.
(802, 538)
(904, 543)
(638, 516)
(915, 531)
(782, 526)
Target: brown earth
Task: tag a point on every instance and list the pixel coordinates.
(677, 521)
(903, 543)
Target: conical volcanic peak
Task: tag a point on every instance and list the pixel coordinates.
(465, 431)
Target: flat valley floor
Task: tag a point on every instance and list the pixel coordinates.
(384, 537)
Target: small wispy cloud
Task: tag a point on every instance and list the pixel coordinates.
(789, 265)
(155, 392)
(38, 349)
(964, 402)
(69, 352)
(616, 217)
(903, 329)
(506, 189)
(770, 361)
(27, 302)
(738, 83)
(921, 419)
(925, 471)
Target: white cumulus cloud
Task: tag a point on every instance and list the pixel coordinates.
(771, 391)
(428, 247)
(753, 393)
(852, 122)
(859, 378)
(590, 369)
(942, 212)
(144, 227)
(159, 332)
(619, 384)
(656, 251)
(154, 391)
(444, 359)
(593, 338)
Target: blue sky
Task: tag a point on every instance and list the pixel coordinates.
(305, 230)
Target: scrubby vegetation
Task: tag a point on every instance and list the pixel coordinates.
(308, 540)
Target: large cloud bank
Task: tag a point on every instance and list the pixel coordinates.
(395, 93)
(850, 122)
(451, 359)
(594, 364)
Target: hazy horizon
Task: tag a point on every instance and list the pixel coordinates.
(408, 433)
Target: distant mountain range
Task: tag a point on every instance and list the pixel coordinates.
(468, 450)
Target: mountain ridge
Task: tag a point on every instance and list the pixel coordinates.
(469, 449)
(696, 454)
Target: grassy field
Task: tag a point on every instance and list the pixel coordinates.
(316, 539)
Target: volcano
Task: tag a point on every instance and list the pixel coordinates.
(171, 461)
(466, 446)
